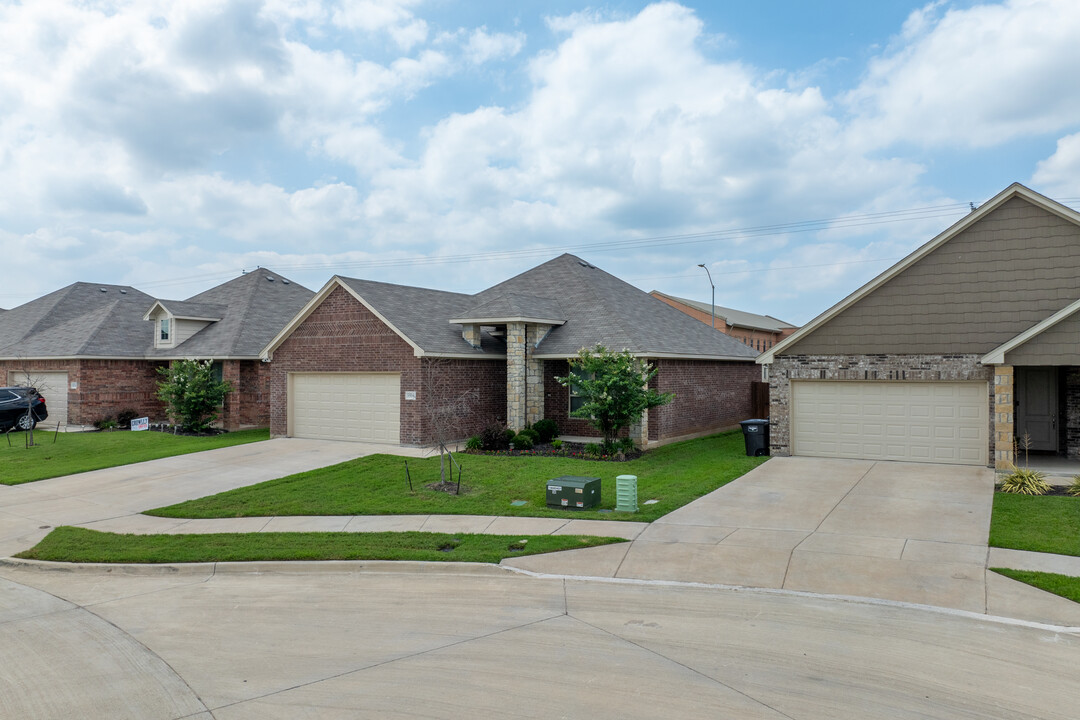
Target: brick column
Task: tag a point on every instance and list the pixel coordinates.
(534, 385)
(515, 375)
(1004, 424)
(230, 413)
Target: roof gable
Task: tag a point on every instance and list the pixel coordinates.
(735, 318)
(1002, 269)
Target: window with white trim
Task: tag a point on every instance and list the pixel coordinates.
(576, 398)
(163, 329)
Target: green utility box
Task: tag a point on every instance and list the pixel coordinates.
(571, 491)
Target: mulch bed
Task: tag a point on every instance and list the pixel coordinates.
(567, 450)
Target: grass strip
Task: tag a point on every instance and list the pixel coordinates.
(1063, 585)
(672, 475)
(81, 452)
(1041, 523)
(71, 544)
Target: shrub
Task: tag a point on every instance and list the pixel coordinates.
(531, 434)
(105, 423)
(191, 393)
(522, 441)
(593, 450)
(494, 437)
(1074, 487)
(124, 417)
(509, 434)
(556, 444)
(546, 429)
(627, 444)
(474, 443)
(1024, 481)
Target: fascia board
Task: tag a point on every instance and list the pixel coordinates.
(1014, 190)
(504, 320)
(304, 313)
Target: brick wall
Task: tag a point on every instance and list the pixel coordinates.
(254, 393)
(342, 335)
(865, 367)
(709, 395)
(755, 338)
(461, 397)
(105, 387)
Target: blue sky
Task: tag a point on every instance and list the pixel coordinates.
(796, 148)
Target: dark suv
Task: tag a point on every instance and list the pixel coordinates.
(21, 408)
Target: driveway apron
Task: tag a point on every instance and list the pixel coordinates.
(898, 531)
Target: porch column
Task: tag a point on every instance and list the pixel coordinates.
(534, 377)
(230, 413)
(1004, 422)
(515, 375)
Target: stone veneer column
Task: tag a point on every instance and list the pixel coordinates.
(515, 375)
(1004, 427)
(534, 375)
(639, 431)
(471, 333)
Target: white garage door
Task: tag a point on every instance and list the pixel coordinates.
(940, 422)
(345, 406)
(53, 386)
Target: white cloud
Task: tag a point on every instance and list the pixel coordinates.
(484, 46)
(1059, 174)
(393, 17)
(974, 77)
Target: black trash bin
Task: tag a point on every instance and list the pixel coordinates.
(756, 435)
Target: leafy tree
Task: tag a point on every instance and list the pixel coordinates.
(192, 394)
(614, 386)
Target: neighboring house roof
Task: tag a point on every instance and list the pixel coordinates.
(1020, 283)
(735, 318)
(82, 319)
(593, 306)
(107, 321)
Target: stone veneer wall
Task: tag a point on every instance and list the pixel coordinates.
(900, 368)
(1071, 426)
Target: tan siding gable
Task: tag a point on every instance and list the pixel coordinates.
(994, 280)
(1059, 345)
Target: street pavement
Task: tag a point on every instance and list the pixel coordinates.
(801, 590)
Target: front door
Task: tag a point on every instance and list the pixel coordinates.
(1037, 407)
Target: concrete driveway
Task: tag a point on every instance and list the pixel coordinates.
(29, 511)
(355, 640)
(898, 531)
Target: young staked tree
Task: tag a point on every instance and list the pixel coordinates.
(192, 394)
(27, 378)
(447, 406)
(614, 386)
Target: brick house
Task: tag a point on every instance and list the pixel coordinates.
(372, 361)
(948, 356)
(94, 350)
(760, 332)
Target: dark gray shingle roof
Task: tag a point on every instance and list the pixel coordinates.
(422, 315)
(194, 310)
(91, 320)
(599, 308)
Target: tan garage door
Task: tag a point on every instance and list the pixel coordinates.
(941, 422)
(345, 406)
(53, 386)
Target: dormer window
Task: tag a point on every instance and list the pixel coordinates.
(163, 332)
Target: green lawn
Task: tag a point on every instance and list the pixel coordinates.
(376, 485)
(70, 544)
(1063, 585)
(80, 452)
(1047, 523)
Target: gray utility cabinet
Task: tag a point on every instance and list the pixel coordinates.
(572, 491)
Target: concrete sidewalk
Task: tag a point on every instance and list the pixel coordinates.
(895, 531)
(29, 511)
(477, 524)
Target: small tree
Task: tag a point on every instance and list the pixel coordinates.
(192, 394)
(614, 387)
(447, 406)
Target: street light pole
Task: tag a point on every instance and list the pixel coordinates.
(713, 306)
